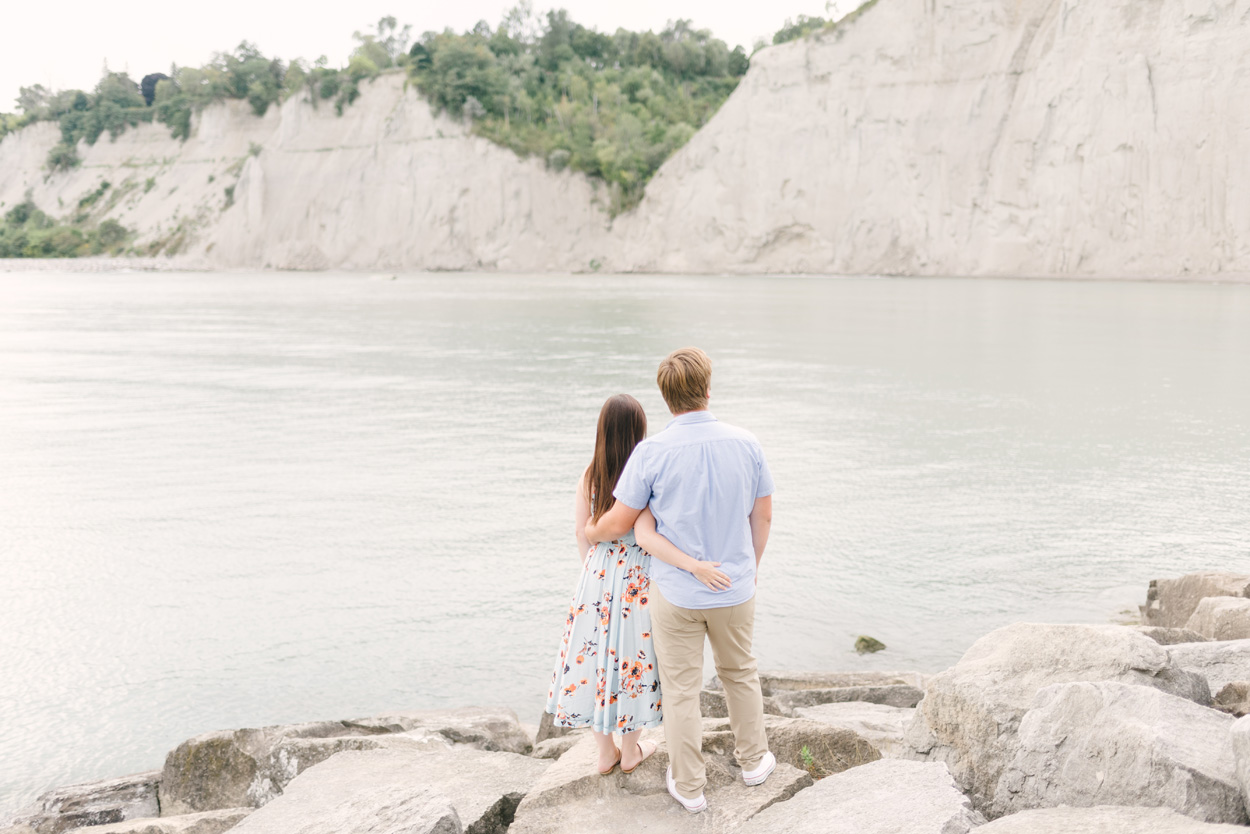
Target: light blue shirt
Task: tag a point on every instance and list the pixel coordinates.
(701, 478)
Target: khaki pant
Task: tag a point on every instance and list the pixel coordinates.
(678, 634)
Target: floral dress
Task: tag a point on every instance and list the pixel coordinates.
(606, 676)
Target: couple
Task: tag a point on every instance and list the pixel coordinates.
(652, 515)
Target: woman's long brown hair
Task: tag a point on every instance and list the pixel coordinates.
(622, 426)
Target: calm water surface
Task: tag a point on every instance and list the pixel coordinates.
(232, 500)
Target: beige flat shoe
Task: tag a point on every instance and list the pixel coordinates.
(647, 748)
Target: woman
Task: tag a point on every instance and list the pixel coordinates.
(606, 677)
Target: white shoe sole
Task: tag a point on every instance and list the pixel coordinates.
(760, 778)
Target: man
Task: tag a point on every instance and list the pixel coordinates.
(710, 490)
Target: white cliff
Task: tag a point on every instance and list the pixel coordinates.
(984, 137)
(925, 137)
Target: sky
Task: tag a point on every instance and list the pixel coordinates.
(67, 44)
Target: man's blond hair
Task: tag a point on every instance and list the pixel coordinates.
(684, 377)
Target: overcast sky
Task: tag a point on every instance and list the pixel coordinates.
(65, 44)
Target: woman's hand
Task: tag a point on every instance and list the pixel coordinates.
(707, 573)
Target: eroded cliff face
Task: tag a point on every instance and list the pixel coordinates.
(983, 137)
(386, 185)
(926, 137)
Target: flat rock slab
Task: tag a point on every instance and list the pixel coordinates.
(249, 767)
(893, 695)
(1104, 820)
(401, 792)
(93, 803)
(571, 797)
(486, 728)
(1220, 663)
(1221, 618)
(1170, 636)
(730, 806)
(771, 683)
(880, 725)
(1107, 743)
(206, 822)
(1171, 602)
(554, 748)
(970, 712)
(885, 797)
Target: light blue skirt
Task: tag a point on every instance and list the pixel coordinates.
(606, 677)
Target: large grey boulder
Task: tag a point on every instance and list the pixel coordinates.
(886, 797)
(829, 749)
(1171, 602)
(1107, 743)
(1221, 618)
(970, 712)
(249, 767)
(1240, 739)
(93, 803)
(1219, 662)
(205, 822)
(571, 796)
(880, 725)
(1104, 820)
(1233, 698)
(548, 729)
(401, 792)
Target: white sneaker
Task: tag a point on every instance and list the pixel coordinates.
(695, 805)
(766, 766)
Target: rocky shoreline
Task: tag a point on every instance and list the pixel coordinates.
(1037, 728)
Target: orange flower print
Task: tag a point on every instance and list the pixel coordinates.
(611, 646)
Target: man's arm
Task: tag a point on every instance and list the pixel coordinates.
(761, 519)
(613, 524)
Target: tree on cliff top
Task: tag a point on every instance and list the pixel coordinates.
(612, 106)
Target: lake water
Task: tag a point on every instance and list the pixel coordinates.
(239, 499)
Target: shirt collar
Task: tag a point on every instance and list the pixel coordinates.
(689, 417)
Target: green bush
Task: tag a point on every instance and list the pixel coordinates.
(612, 106)
(28, 232)
(62, 157)
(800, 28)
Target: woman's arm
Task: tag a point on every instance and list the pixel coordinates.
(664, 550)
(581, 514)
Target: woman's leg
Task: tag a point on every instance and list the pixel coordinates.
(631, 753)
(607, 749)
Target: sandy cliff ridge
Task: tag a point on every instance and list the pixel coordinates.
(926, 137)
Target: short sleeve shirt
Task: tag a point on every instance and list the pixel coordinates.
(701, 478)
